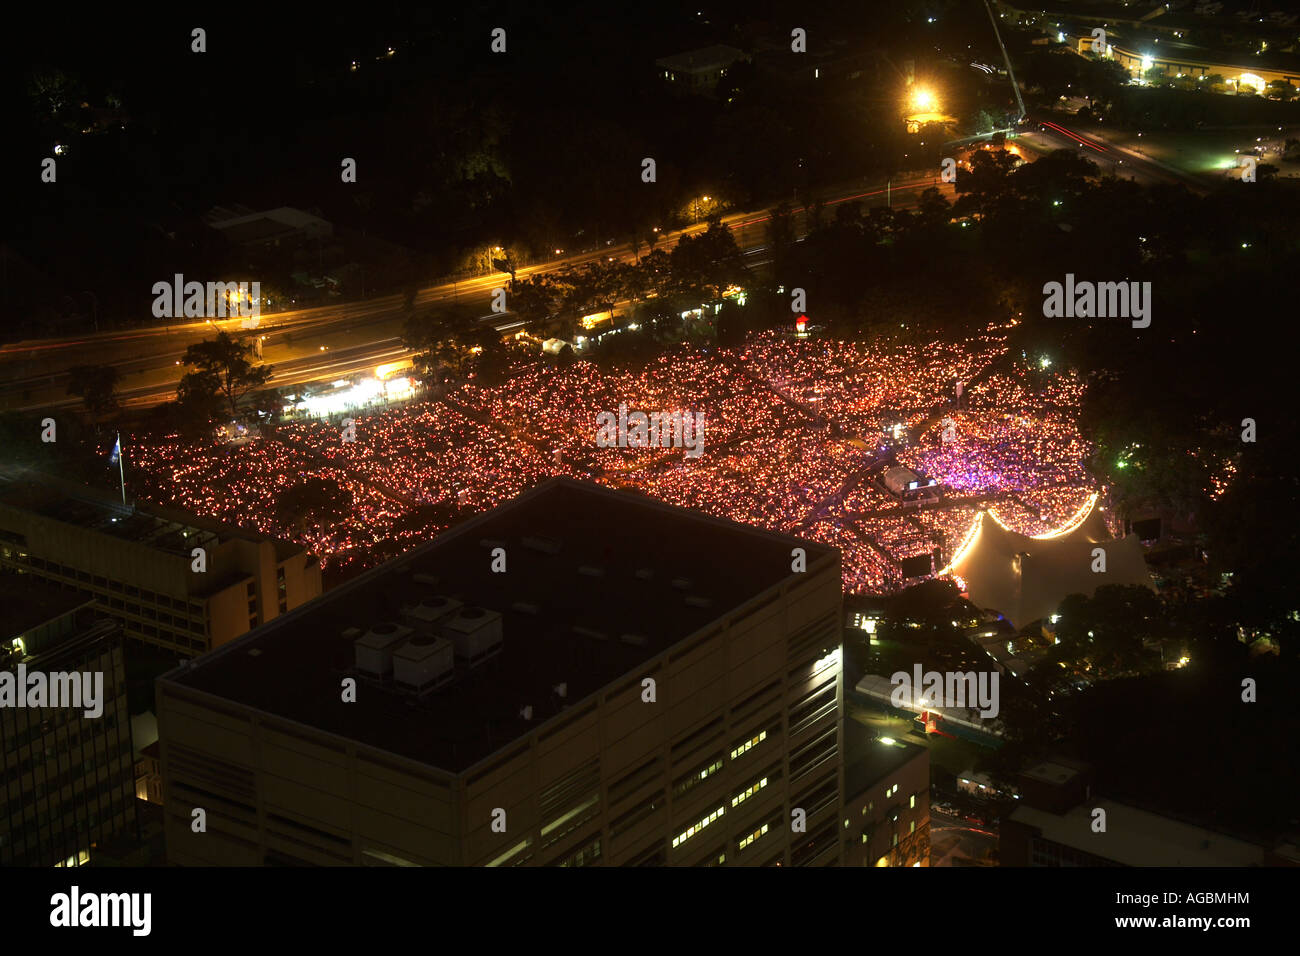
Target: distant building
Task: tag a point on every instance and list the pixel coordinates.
(698, 71)
(887, 800)
(1054, 826)
(66, 776)
(507, 719)
(272, 227)
(138, 564)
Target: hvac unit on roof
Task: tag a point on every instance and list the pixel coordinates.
(375, 648)
(476, 632)
(425, 615)
(424, 662)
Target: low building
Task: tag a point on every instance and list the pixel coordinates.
(698, 71)
(1057, 824)
(139, 564)
(272, 227)
(887, 800)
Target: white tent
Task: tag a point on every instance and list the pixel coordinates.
(1025, 578)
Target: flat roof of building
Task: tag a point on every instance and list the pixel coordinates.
(868, 761)
(30, 602)
(597, 582)
(1136, 837)
(163, 529)
(1051, 772)
(702, 60)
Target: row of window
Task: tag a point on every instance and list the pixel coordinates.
(61, 743)
(111, 584)
(749, 744)
(696, 828)
(750, 838)
(746, 794)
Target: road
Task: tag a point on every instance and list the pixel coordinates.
(1110, 157)
(333, 341)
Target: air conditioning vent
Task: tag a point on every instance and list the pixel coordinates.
(424, 663)
(696, 601)
(637, 640)
(425, 615)
(374, 650)
(476, 632)
(681, 584)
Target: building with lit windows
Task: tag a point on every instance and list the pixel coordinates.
(66, 778)
(138, 564)
(887, 799)
(698, 71)
(637, 685)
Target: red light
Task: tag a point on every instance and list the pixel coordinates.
(800, 322)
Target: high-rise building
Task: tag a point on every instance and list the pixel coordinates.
(67, 782)
(582, 676)
(171, 580)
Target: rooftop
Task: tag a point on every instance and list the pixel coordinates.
(868, 761)
(597, 582)
(1137, 838)
(1050, 772)
(703, 60)
(161, 529)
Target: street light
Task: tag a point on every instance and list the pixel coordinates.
(923, 99)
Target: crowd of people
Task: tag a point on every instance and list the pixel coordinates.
(792, 443)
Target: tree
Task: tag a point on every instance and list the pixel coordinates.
(223, 366)
(1281, 90)
(446, 345)
(316, 500)
(544, 302)
(704, 266)
(96, 386)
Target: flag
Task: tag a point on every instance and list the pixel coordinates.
(117, 451)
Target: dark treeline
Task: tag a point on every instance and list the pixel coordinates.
(456, 148)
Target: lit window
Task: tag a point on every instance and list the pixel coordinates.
(748, 744)
(691, 831)
(753, 836)
(912, 802)
(746, 794)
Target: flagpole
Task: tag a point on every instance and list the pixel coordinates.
(120, 471)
